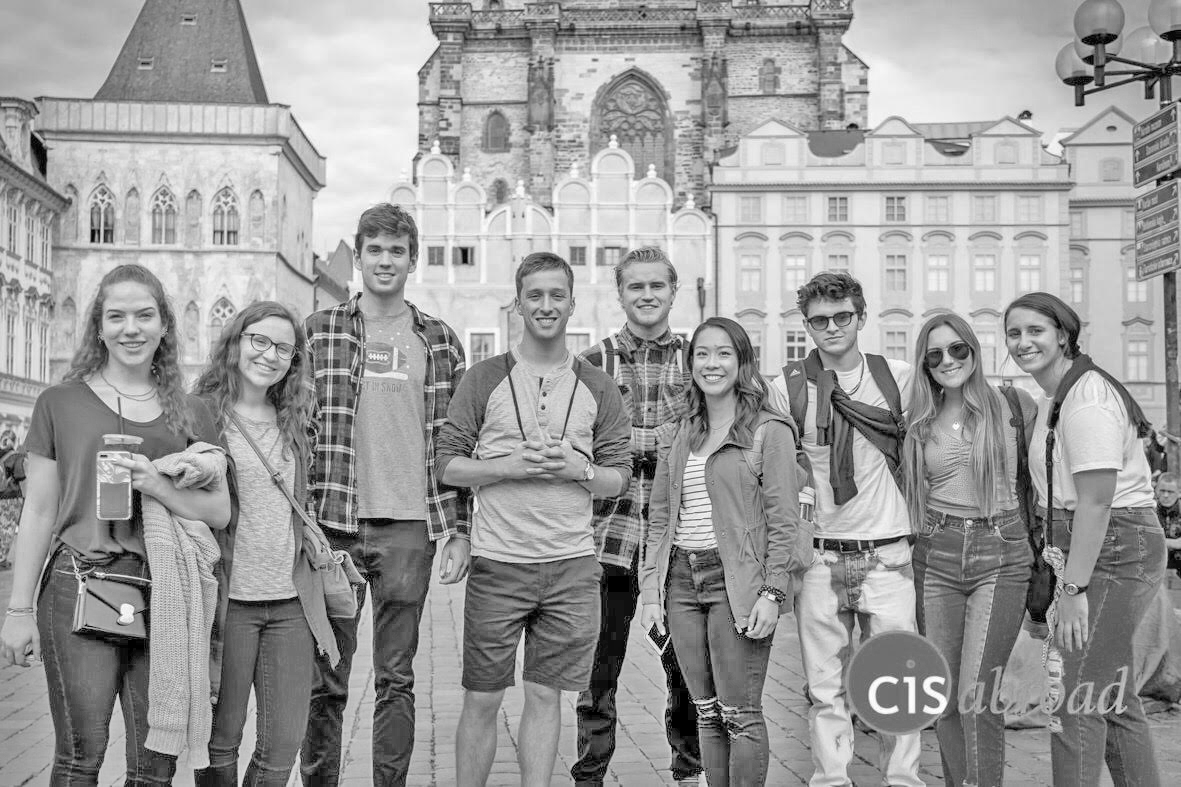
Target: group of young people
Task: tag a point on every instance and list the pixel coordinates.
(649, 472)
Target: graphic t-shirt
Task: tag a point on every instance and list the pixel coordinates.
(391, 417)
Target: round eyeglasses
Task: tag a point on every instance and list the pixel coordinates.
(840, 319)
(263, 343)
(958, 351)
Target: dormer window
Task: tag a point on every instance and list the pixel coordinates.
(217, 65)
(188, 19)
(146, 63)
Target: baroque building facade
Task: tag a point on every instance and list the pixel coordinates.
(29, 210)
(181, 163)
(467, 255)
(929, 217)
(526, 89)
(1123, 318)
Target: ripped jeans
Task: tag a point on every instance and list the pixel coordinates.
(874, 589)
(723, 670)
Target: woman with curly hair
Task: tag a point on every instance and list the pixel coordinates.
(124, 378)
(972, 556)
(722, 547)
(271, 620)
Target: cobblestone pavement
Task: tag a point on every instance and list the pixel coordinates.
(642, 760)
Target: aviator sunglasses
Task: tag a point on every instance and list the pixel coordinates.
(840, 319)
(958, 351)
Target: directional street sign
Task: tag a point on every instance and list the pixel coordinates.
(1158, 231)
(1155, 146)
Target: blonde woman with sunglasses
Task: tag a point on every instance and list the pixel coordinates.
(972, 557)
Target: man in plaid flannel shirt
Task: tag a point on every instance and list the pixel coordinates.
(384, 374)
(647, 361)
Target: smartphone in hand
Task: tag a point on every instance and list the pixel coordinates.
(658, 641)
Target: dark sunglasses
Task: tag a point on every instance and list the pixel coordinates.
(263, 343)
(840, 319)
(959, 351)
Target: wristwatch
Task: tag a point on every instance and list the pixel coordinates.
(588, 472)
(1072, 589)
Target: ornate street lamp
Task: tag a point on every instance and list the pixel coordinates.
(1150, 55)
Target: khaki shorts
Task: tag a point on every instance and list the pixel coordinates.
(556, 604)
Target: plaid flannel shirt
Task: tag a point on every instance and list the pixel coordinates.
(652, 376)
(337, 338)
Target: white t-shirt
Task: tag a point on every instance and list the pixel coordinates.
(879, 509)
(1094, 433)
(695, 522)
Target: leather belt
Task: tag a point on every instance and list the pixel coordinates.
(853, 545)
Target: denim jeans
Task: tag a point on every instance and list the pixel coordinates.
(971, 576)
(1126, 578)
(874, 589)
(724, 670)
(84, 675)
(268, 646)
(395, 557)
(619, 591)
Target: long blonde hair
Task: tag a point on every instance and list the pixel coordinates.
(984, 424)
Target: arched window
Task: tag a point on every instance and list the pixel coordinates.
(131, 218)
(102, 216)
(222, 312)
(225, 218)
(633, 109)
(68, 320)
(768, 77)
(496, 136)
(163, 217)
(499, 191)
(193, 219)
(190, 336)
(258, 219)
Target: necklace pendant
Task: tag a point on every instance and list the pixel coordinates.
(956, 425)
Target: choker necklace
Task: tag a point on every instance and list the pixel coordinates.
(140, 397)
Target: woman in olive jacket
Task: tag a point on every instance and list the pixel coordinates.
(724, 542)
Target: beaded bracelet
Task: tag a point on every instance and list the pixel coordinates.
(773, 593)
(19, 612)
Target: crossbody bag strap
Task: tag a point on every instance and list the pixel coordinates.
(1051, 440)
(275, 475)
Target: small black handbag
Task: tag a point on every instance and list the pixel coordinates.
(111, 606)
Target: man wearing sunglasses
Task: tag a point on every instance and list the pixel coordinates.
(848, 405)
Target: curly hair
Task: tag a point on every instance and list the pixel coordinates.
(92, 355)
(751, 389)
(291, 396)
(830, 286)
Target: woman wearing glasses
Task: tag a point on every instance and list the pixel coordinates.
(1104, 521)
(972, 557)
(271, 620)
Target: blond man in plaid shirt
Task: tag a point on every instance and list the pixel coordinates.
(648, 363)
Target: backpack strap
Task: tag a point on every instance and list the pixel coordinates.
(796, 382)
(610, 366)
(1024, 483)
(754, 454)
(879, 369)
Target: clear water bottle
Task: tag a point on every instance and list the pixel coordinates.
(808, 504)
(1055, 688)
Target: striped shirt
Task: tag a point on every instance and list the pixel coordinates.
(652, 377)
(336, 337)
(695, 527)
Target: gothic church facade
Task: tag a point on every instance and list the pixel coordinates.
(523, 90)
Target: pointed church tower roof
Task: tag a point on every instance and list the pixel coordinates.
(191, 51)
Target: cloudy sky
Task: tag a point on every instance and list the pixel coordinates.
(348, 69)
